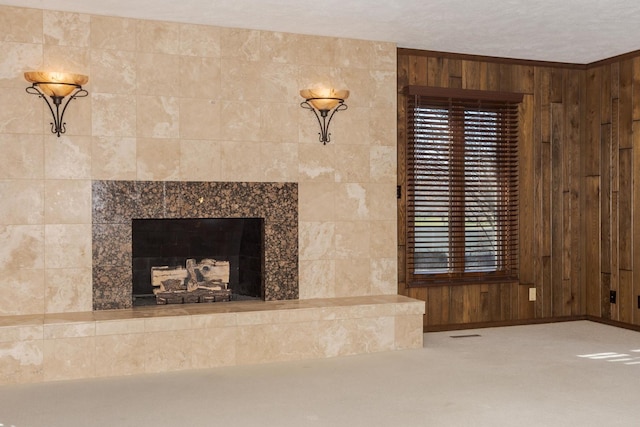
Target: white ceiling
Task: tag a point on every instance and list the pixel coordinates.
(575, 31)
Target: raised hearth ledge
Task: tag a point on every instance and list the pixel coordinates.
(65, 346)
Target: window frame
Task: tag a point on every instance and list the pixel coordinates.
(508, 268)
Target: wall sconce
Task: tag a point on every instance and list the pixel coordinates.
(324, 101)
(56, 86)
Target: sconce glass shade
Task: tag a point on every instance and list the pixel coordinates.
(324, 101)
(54, 87)
(56, 84)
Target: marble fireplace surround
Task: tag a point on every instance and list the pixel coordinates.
(116, 203)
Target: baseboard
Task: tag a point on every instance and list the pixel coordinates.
(480, 325)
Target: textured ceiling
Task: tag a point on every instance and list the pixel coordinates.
(575, 31)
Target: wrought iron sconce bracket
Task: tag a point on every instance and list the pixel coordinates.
(54, 102)
(324, 118)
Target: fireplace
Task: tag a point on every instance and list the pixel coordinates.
(163, 249)
(116, 204)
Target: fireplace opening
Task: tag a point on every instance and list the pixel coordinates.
(219, 259)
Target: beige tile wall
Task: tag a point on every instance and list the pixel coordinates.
(172, 101)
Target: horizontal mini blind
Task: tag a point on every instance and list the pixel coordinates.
(462, 188)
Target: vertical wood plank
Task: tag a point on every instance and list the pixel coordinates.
(592, 245)
(557, 224)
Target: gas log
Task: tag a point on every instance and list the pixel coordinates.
(206, 281)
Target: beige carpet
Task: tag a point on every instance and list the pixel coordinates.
(563, 374)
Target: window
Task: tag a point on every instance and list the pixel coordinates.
(461, 186)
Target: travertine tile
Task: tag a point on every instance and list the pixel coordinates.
(158, 37)
(384, 56)
(53, 331)
(67, 157)
(408, 332)
(316, 163)
(168, 351)
(157, 74)
(66, 28)
(352, 163)
(25, 115)
(21, 362)
(68, 290)
(200, 119)
(113, 71)
(352, 240)
(213, 347)
(352, 277)
(22, 248)
(200, 40)
(240, 121)
(28, 196)
(67, 201)
(317, 240)
(378, 196)
(317, 201)
(23, 289)
(67, 246)
(382, 128)
(383, 275)
(279, 162)
(118, 355)
(263, 344)
(23, 156)
(351, 53)
(383, 239)
(317, 279)
(276, 125)
(200, 77)
(113, 158)
(113, 33)
(18, 58)
(69, 358)
(20, 25)
(70, 59)
(279, 47)
(353, 199)
(120, 327)
(158, 159)
(382, 164)
(158, 117)
(26, 332)
(200, 160)
(113, 114)
(240, 43)
(246, 170)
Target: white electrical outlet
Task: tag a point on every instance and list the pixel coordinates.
(532, 294)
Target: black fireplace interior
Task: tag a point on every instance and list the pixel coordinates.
(170, 242)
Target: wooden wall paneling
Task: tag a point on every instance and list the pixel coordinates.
(418, 70)
(437, 74)
(472, 75)
(493, 76)
(523, 79)
(625, 216)
(571, 180)
(606, 231)
(455, 73)
(527, 189)
(506, 77)
(541, 130)
(557, 86)
(605, 94)
(591, 150)
(592, 245)
(635, 290)
(456, 305)
(557, 223)
(615, 251)
(544, 251)
(625, 106)
(625, 296)
(635, 92)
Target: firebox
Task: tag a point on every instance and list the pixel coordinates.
(175, 260)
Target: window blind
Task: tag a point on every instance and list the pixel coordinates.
(462, 187)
